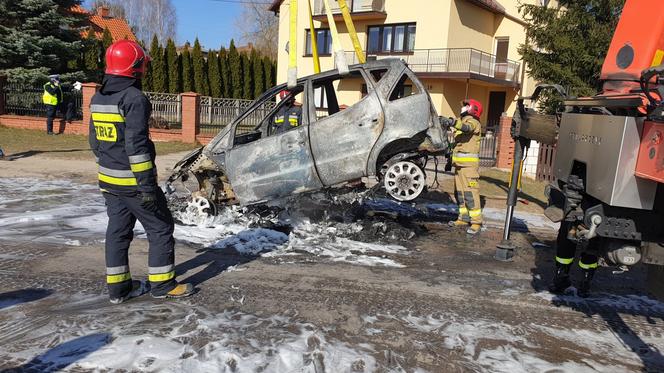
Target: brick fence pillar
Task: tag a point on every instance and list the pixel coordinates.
(504, 143)
(88, 90)
(3, 81)
(191, 105)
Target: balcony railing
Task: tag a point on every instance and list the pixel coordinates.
(452, 60)
(355, 6)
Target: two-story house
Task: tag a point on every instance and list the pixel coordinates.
(458, 48)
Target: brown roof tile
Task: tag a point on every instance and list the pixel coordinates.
(118, 27)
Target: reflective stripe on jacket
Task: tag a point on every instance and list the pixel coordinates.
(467, 149)
(119, 137)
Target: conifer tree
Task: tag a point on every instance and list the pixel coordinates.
(159, 75)
(259, 77)
(268, 71)
(201, 84)
(146, 82)
(235, 69)
(93, 56)
(187, 73)
(247, 77)
(224, 71)
(214, 76)
(106, 38)
(568, 44)
(40, 37)
(173, 66)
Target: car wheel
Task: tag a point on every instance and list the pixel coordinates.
(404, 181)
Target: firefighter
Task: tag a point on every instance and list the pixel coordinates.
(289, 115)
(52, 97)
(466, 162)
(119, 137)
(565, 253)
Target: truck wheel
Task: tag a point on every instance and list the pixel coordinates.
(404, 181)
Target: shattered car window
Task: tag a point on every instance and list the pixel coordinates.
(337, 93)
(404, 88)
(285, 116)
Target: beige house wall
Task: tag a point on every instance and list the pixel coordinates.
(440, 24)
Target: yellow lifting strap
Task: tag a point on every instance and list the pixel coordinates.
(292, 46)
(339, 54)
(314, 41)
(351, 31)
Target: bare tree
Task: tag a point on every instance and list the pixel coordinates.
(259, 26)
(146, 17)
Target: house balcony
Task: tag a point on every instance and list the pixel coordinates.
(360, 10)
(456, 63)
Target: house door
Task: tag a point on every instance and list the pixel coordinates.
(496, 108)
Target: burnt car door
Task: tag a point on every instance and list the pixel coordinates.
(272, 164)
(349, 120)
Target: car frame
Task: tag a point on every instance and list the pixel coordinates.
(386, 134)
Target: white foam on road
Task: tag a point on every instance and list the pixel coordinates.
(494, 346)
(177, 337)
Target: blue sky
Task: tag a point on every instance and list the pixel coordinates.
(213, 22)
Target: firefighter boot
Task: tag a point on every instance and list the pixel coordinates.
(584, 286)
(138, 288)
(474, 229)
(561, 279)
(179, 291)
(457, 223)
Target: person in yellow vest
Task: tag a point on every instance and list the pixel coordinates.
(52, 97)
(466, 162)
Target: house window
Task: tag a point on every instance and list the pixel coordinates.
(397, 38)
(323, 41)
(502, 48)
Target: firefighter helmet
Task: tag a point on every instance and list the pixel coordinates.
(126, 58)
(283, 94)
(473, 107)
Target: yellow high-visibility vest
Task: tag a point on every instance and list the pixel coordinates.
(48, 98)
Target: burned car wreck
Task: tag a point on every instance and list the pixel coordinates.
(388, 134)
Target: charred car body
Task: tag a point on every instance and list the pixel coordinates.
(388, 133)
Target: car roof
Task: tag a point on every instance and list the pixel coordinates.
(385, 63)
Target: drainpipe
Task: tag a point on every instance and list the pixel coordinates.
(467, 86)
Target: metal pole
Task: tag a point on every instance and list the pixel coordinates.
(505, 249)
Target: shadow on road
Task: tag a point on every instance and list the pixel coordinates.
(15, 297)
(605, 303)
(31, 153)
(214, 263)
(64, 354)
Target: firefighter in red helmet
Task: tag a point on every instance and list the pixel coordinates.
(466, 162)
(120, 140)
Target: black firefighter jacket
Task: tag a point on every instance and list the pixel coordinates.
(120, 137)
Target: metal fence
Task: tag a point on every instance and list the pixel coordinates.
(166, 110)
(217, 113)
(488, 148)
(453, 60)
(27, 100)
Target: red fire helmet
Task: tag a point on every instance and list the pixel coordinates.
(126, 58)
(475, 108)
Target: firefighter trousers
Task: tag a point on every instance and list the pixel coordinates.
(467, 193)
(123, 211)
(566, 250)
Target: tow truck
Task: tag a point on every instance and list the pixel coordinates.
(609, 166)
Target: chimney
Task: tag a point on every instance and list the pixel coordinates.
(104, 12)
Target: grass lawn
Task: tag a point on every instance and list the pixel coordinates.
(15, 141)
(494, 186)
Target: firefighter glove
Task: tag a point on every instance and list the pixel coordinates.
(149, 201)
